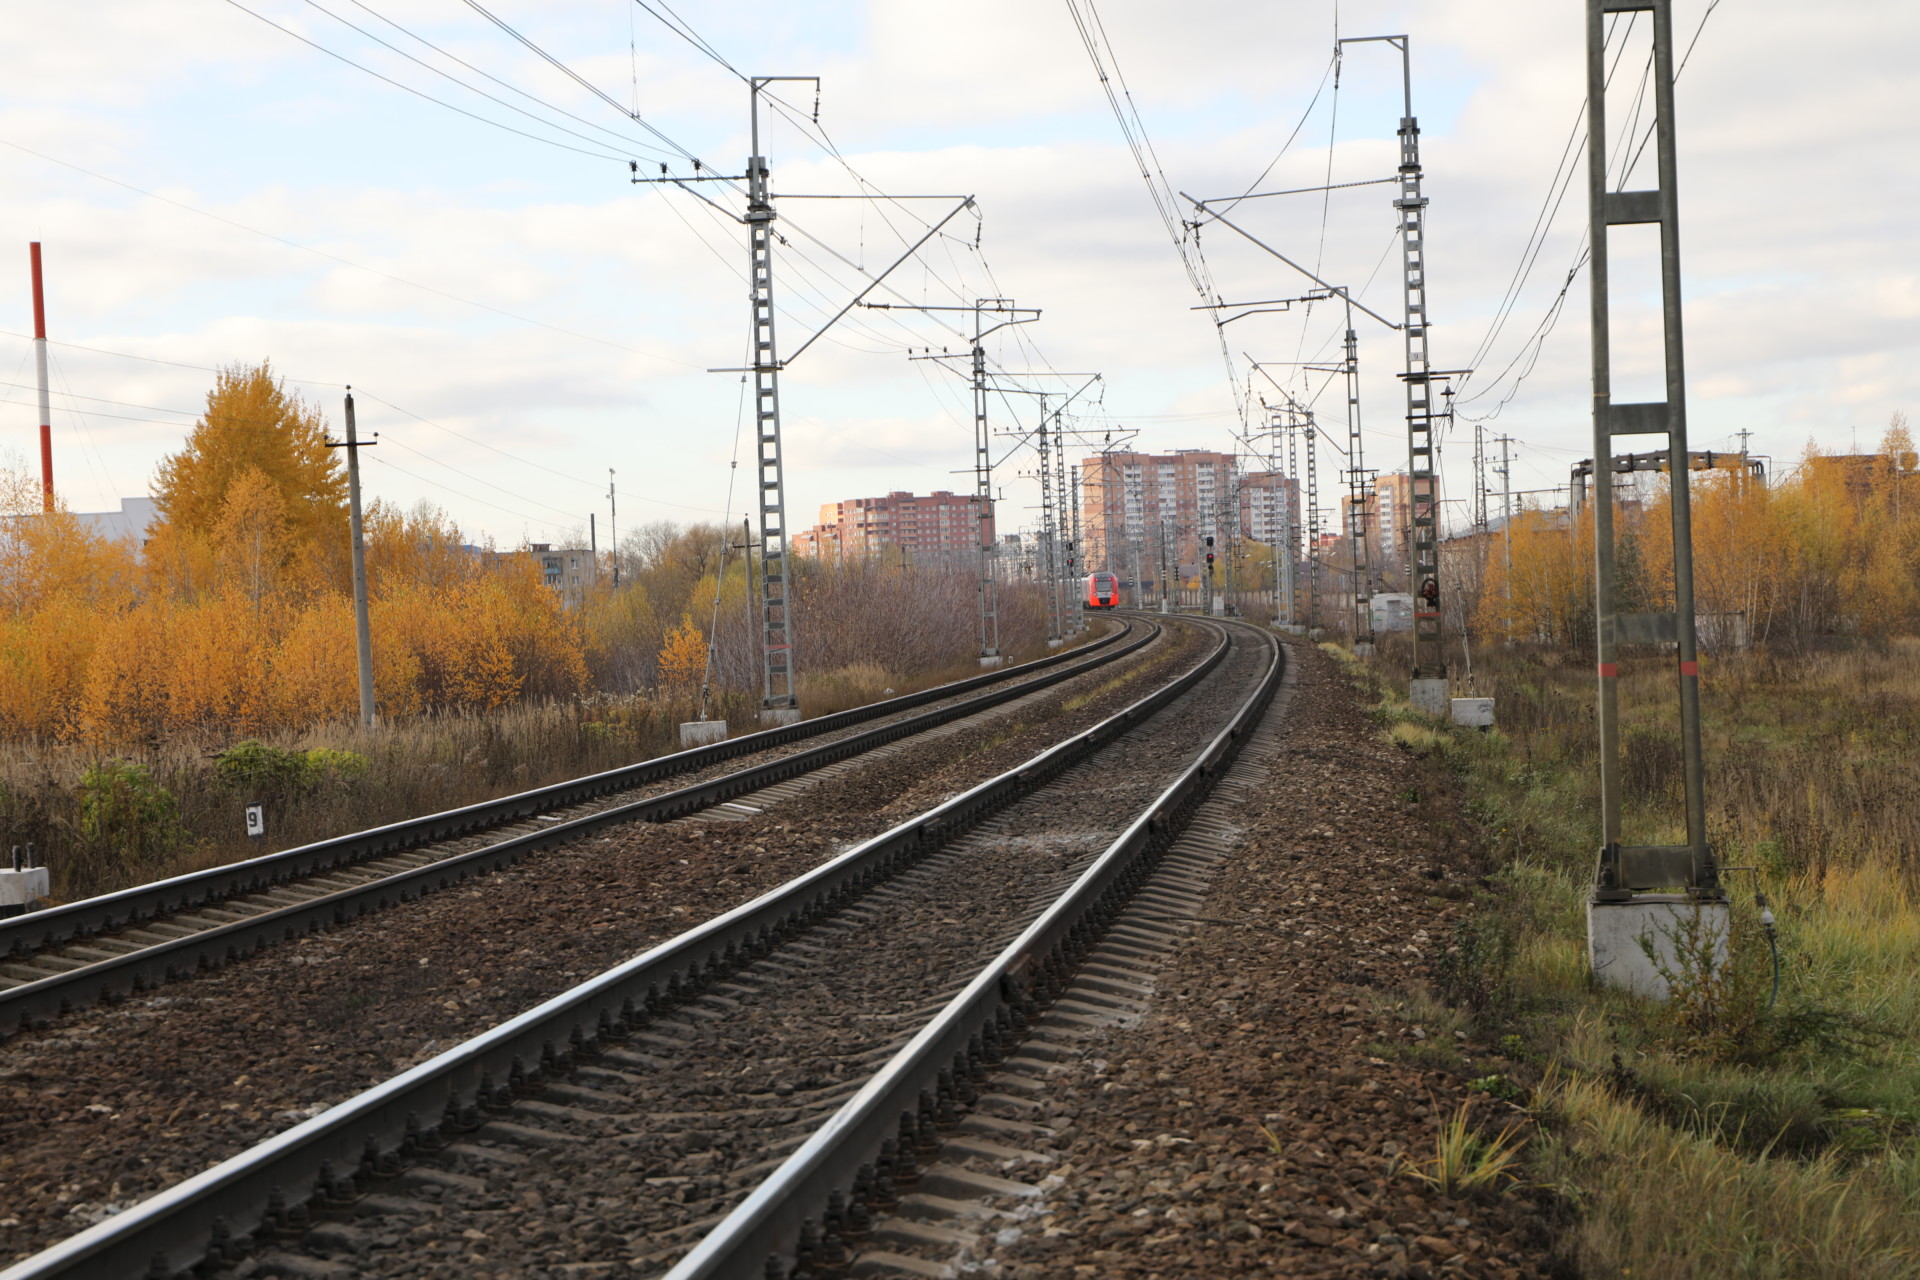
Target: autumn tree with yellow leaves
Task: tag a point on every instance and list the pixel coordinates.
(1831, 550)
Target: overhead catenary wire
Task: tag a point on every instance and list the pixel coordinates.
(427, 97)
(1537, 338)
(620, 138)
(575, 76)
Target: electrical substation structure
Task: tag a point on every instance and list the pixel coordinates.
(1644, 896)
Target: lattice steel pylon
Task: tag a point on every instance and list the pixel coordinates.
(779, 695)
(1358, 501)
(1307, 429)
(1076, 551)
(983, 505)
(1294, 528)
(1049, 558)
(1428, 689)
(1624, 870)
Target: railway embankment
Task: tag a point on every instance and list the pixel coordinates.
(1294, 1101)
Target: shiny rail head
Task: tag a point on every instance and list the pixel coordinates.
(758, 1238)
(174, 1228)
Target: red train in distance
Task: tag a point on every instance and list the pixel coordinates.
(1103, 591)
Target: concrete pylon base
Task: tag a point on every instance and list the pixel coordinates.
(1363, 649)
(993, 659)
(774, 717)
(1635, 945)
(19, 890)
(1430, 694)
(698, 733)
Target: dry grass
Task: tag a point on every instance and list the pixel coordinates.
(1724, 1134)
(1659, 1202)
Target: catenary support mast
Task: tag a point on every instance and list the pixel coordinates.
(1359, 497)
(1426, 408)
(779, 700)
(1625, 870)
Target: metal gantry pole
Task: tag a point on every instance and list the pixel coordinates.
(1075, 555)
(779, 701)
(1049, 558)
(1307, 430)
(1294, 526)
(1357, 500)
(983, 504)
(1428, 688)
(1623, 870)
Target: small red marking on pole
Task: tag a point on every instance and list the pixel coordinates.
(1609, 670)
(1689, 668)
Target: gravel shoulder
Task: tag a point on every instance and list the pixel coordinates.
(1264, 1118)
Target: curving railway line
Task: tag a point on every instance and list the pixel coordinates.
(124, 943)
(745, 1098)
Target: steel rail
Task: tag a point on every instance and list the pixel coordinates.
(218, 1213)
(907, 1100)
(38, 930)
(137, 971)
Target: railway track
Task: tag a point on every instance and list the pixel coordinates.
(123, 943)
(639, 1108)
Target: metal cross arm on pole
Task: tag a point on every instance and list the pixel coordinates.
(966, 202)
(1295, 191)
(1263, 306)
(1332, 288)
(1406, 59)
(1021, 315)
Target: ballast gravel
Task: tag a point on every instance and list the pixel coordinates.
(115, 1103)
(1271, 1115)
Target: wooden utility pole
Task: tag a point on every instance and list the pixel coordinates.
(362, 624)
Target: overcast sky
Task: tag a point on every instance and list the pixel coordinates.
(520, 317)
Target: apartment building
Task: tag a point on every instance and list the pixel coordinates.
(1158, 500)
(924, 525)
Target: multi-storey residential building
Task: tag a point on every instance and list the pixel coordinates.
(1268, 501)
(1164, 503)
(1390, 524)
(930, 525)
